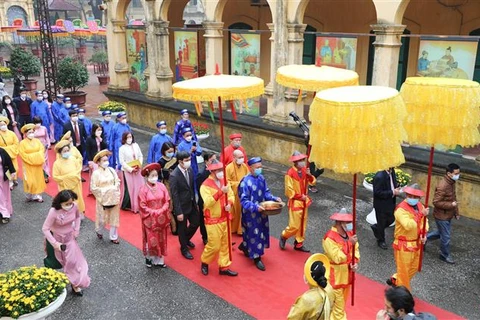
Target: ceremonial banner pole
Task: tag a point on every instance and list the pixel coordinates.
(427, 197)
(307, 165)
(354, 211)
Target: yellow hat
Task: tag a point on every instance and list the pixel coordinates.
(27, 127)
(101, 154)
(67, 135)
(4, 119)
(61, 144)
(307, 270)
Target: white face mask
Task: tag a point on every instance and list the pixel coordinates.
(104, 164)
(240, 161)
(3, 127)
(124, 121)
(74, 119)
(67, 207)
(98, 133)
(39, 98)
(82, 116)
(163, 131)
(301, 164)
(129, 140)
(187, 164)
(219, 175)
(23, 96)
(153, 180)
(8, 101)
(68, 105)
(188, 139)
(30, 135)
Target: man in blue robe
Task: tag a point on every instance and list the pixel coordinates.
(252, 191)
(192, 147)
(107, 125)
(60, 116)
(115, 141)
(154, 152)
(180, 125)
(39, 108)
(87, 123)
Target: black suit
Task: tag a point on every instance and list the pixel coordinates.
(92, 147)
(183, 198)
(67, 126)
(384, 201)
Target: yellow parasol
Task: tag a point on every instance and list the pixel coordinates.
(441, 111)
(357, 129)
(215, 88)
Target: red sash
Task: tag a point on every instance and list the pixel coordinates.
(347, 246)
(210, 183)
(417, 216)
(293, 173)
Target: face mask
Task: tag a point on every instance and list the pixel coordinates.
(8, 101)
(67, 207)
(219, 175)
(98, 133)
(236, 145)
(188, 139)
(39, 98)
(187, 164)
(163, 131)
(153, 180)
(412, 202)
(107, 119)
(66, 155)
(45, 96)
(124, 121)
(30, 136)
(82, 116)
(169, 154)
(129, 140)
(349, 227)
(456, 177)
(301, 164)
(74, 119)
(104, 164)
(23, 96)
(68, 105)
(393, 316)
(258, 171)
(3, 127)
(240, 160)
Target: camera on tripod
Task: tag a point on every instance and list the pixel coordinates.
(300, 122)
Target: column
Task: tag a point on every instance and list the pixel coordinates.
(117, 55)
(164, 74)
(213, 46)
(3, 20)
(387, 50)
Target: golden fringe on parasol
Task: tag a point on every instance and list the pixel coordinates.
(431, 102)
(357, 129)
(313, 78)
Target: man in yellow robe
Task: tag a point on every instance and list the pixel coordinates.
(66, 172)
(9, 142)
(218, 200)
(32, 152)
(296, 181)
(338, 244)
(410, 215)
(236, 170)
(315, 303)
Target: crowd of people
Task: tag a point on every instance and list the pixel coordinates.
(171, 190)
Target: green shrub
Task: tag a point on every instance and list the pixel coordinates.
(72, 75)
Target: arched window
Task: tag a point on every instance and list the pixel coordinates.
(17, 12)
(476, 73)
(309, 40)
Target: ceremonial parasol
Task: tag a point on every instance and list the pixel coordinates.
(441, 111)
(357, 129)
(313, 78)
(215, 88)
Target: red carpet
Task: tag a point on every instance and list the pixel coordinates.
(263, 295)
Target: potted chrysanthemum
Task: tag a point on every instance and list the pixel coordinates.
(113, 106)
(202, 130)
(31, 292)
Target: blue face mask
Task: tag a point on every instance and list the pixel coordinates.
(258, 171)
(66, 155)
(170, 154)
(412, 202)
(163, 131)
(349, 227)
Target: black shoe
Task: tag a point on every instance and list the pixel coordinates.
(391, 282)
(375, 230)
(187, 255)
(148, 262)
(313, 189)
(259, 264)
(78, 293)
(447, 260)
(302, 249)
(242, 248)
(282, 243)
(204, 269)
(190, 244)
(382, 245)
(15, 183)
(228, 272)
(5, 220)
(83, 180)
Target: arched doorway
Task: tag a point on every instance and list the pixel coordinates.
(309, 40)
(476, 73)
(17, 12)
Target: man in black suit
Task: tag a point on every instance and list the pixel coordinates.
(77, 130)
(184, 204)
(385, 190)
(208, 157)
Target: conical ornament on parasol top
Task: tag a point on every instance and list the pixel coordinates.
(431, 103)
(219, 87)
(357, 129)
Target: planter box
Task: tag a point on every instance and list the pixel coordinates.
(201, 137)
(44, 312)
(78, 97)
(81, 50)
(367, 185)
(103, 80)
(31, 85)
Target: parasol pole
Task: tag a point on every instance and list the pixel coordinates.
(307, 165)
(225, 177)
(354, 211)
(427, 198)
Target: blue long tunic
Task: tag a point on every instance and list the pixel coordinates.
(115, 141)
(177, 132)
(154, 151)
(256, 232)
(107, 129)
(60, 116)
(41, 109)
(187, 146)
(87, 123)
